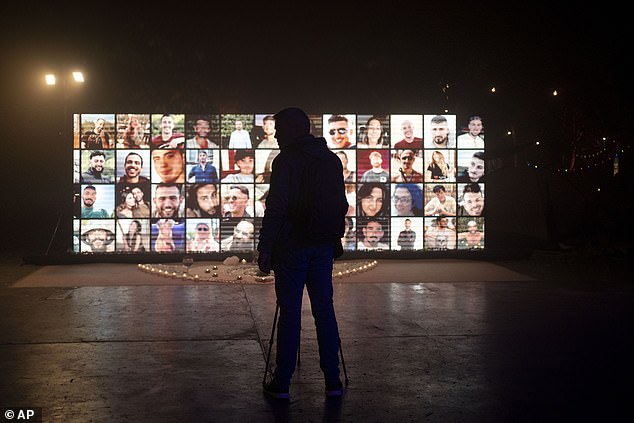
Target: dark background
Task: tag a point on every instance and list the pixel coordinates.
(393, 58)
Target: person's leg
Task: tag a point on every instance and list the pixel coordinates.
(320, 291)
(290, 276)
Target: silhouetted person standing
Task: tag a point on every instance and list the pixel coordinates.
(300, 235)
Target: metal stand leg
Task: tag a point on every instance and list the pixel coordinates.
(268, 356)
(343, 363)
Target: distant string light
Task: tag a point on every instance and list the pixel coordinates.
(600, 158)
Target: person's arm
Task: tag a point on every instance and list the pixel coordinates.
(451, 244)
(275, 214)
(276, 211)
(430, 207)
(247, 139)
(450, 207)
(126, 246)
(137, 242)
(232, 140)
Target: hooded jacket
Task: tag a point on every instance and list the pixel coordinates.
(288, 180)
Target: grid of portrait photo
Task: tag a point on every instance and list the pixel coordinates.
(197, 183)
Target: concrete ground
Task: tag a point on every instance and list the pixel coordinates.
(557, 345)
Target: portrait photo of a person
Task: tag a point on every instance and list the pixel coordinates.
(168, 166)
(76, 166)
(407, 166)
(239, 166)
(133, 167)
(373, 233)
(373, 131)
(264, 165)
(235, 130)
(167, 201)
(340, 131)
(97, 201)
(405, 233)
(440, 200)
(97, 236)
(266, 134)
(474, 136)
(348, 163)
(237, 201)
(349, 239)
(373, 166)
(140, 195)
(407, 200)
(440, 131)
(440, 233)
(406, 132)
(97, 166)
(98, 131)
(201, 135)
(471, 200)
(470, 166)
(127, 206)
(133, 131)
(203, 201)
(203, 170)
(372, 199)
(470, 233)
(203, 235)
(167, 235)
(133, 235)
(168, 131)
(237, 235)
(440, 165)
(351, 197)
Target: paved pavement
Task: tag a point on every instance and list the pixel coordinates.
(557, 346)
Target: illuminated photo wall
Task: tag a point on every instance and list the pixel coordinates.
(175, 183)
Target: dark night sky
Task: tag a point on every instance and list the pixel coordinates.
(143, 57)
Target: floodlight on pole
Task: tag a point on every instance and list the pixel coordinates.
(66, 87)
(78, 77)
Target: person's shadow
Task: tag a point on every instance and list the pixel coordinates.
(280, 409)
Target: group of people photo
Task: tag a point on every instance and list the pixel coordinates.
(198, 183)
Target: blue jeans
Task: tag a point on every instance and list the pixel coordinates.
(298, 265)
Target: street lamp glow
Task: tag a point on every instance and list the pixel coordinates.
(50, 79)
(492, 89)
(78, 77)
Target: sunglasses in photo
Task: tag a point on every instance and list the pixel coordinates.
(340, 130)
(232, 197)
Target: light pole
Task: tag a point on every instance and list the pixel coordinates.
(67, 81)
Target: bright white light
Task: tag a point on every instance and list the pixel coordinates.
(508, 133)
(537, 143)
(554, 92)
(78, 77)
(492, 89)
(50, 79)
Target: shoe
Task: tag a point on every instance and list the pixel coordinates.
(275, 390)
(335, 389)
